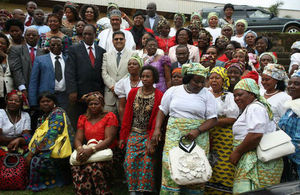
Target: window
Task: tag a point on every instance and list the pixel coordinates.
(257, 14)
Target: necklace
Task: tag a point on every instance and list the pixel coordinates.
(13, 121)
(270, 94)
(134, 84)
(146, 94)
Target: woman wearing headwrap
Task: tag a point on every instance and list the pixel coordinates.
(132, 80)
(235, 70)
(195, 27)
(221, 44)
(136, 132)
(94, 178)
(221, 137)
(164, 40)
(274, 80)
(192, 111)
(213, 29)
(177, 77)
(256, 119)
(290, 123)
(14, 124)
(249, 40)
(240, 27)
(227, 30)
(266, 58)
(195, 16)
(204, 41)
(179, 20)
(295, 57)
(262, 44)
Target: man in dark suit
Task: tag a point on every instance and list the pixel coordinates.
(182, 54)
(152, 18)
(48, 75)
(21, 58)
(84, 70)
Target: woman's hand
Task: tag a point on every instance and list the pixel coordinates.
(235, 157)
(84, 154)
(193, 134)
(156, 137)
(14, 144)
(28, 158)
(150, 147)
(121, 144)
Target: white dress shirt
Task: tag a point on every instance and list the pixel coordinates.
(87, 47)
(151, 21)
(61, 85)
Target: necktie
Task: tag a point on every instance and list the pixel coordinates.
(118, 58)
(58, 71)
(32, 54)
(28, 23)
(92, 57)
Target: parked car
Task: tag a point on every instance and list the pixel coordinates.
(258, 19)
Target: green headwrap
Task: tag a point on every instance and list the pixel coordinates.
(242, 21)
(138, 59)
(251, 86)
(112, 5)
(180, 15)
(270, 54)
(196, 14)
(211, 14)
(195, 69)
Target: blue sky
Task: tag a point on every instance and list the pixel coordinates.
(288, 4)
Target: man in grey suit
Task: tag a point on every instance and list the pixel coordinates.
(152, 18)
(114, 68)
(21, 58)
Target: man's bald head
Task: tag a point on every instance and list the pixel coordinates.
(18, 14)
(31, 36)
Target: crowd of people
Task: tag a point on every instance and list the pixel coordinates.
(137, 86)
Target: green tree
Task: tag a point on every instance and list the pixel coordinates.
(274, 9)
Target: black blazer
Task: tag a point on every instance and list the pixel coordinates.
(81, 77)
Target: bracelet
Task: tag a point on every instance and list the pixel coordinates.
(94, 149)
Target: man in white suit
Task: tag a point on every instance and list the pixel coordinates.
(114, 68)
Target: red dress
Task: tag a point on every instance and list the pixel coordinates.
(165, 44)
(97, 130)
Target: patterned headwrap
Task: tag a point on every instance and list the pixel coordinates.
(245, 34)
(195, 23)
(195, 14)
(92, 96)
(195, 69)
(235, 63)
(115, 12)
(228, 25)
(176, 70)
(296, 45)
(296, 73)
(180, 15)
(242, 21)
(22, 97)
(202, 30)
(112, 5)
(211, 14)
(276, 71)
(223, 37)
(270, 54)
(208, 58)
(223, 73)
(241, 50)
(138, 59)
(251, 86)
(162, 22)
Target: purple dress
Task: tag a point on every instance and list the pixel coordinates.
(159, 65)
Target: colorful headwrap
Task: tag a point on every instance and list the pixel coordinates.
(235, 63)
(211, 14)
(195, 23)
(296, 73)
(138, 59)
(296, 45)
(276, 71)
(208, 58)
(251, 86)
(196, 14)
(180, 15)
(115, 12)
(22, 96)
(249, 31)
(270, 54)
(92, 96)
(162, 21)
(112, 5)
(228, 25)
(177, 70)
(242, 21)
(202, 30)
(195, 69)
(223, 73)
(223, 37)
(251, 75)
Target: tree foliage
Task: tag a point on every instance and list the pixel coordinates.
(274, 9)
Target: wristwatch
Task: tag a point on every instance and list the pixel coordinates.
(94, 149)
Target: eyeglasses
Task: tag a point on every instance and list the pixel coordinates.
(118, 39)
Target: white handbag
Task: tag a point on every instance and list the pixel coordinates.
(274, 145)
(189, 164)
(102, 155)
